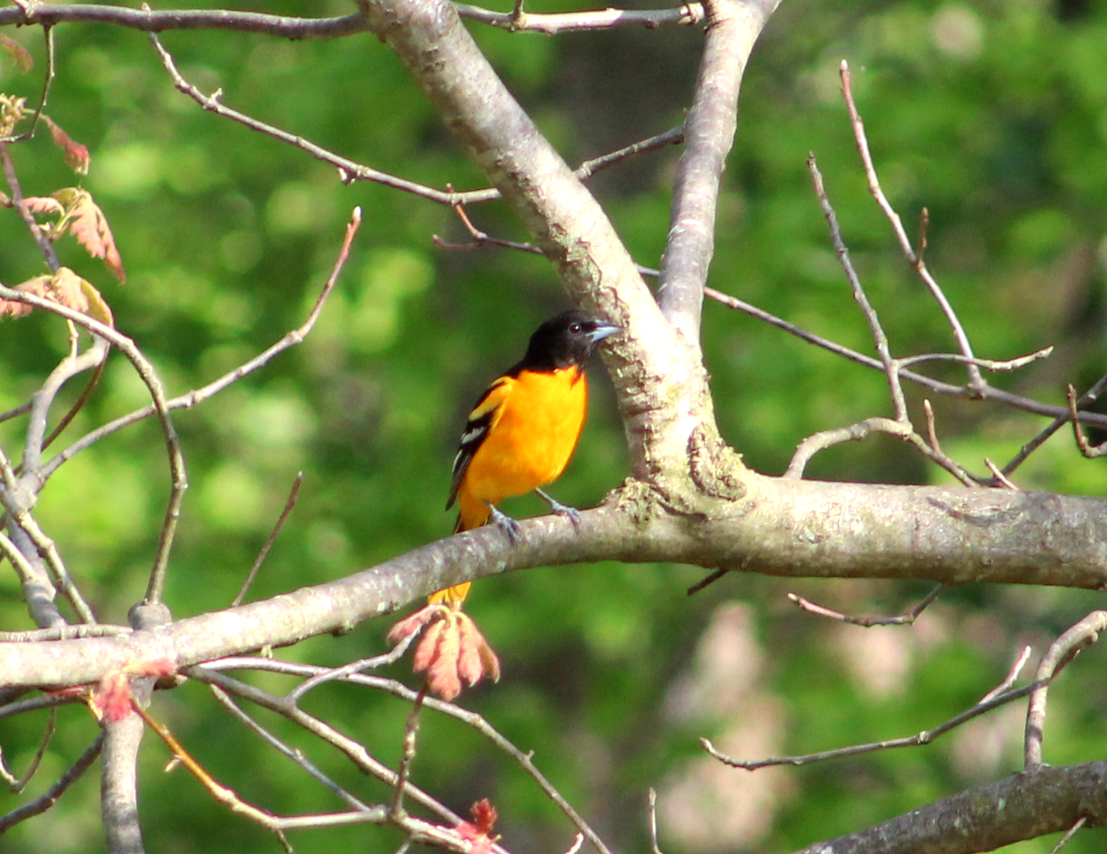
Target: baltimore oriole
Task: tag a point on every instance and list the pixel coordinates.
(524, 428)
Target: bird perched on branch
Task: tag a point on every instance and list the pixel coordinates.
(519, 437)
(524, 428)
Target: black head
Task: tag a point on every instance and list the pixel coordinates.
(566, 340)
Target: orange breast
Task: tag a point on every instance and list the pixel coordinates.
(530, 443)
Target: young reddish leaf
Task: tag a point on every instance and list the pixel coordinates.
(19, 54)
(47, 205)
(90, 227)
(427, 649)
(479, 831)
(76, 154)
(411, 625)
(452, 651)
(66, 288)
(475, 657)
(442, 676)
(39, 286)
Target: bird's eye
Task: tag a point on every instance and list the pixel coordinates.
(575, 328)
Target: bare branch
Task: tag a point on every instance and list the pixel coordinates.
(732, 28)
(862, 430)
(989, 817)
(191, 398)
(525, 760)
(605, 19)
(654, 847)
(295, 755)
(976, 382)
(991, 701)
(411, 731)
(1015, 401)
(156, 21)
(42, 803)
(84, 630)
(43, 242)
(119, 785)
(1081, 440)
(34, 478)
(941, 534)
(891, 367)
(288, 505)
(350, 748)
(1069, 834)
(17, 784)
(1061, 652)
(905, 619)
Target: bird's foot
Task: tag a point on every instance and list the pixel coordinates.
(505, 523)
(562, 509)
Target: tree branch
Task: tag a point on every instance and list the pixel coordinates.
(732, 28)
(787, 528)
(984, 818)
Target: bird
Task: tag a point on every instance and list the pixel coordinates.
(523, 430)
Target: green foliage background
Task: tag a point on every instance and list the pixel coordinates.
(992, 115)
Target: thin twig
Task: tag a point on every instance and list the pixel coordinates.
(341, 673)
(907, 618)
(1061, 652)
(525, 760)
(578, 843)
(856, 432)
(976, 382)
(1081, 440)
(1069, 834)
(891, 368)
(998, 365)
(13, 707)
(48, 78)
(411, 732)
(1058, 422)
(192, 398)
(1000, 477)
(150, 378)
(18, 784)
(288, 505)
(705, 582)
(51, 796)
(1012, 674)
(43, 242)
(96, 630)
(352, 749)
(924, 737)
(294, 754)
(652, 799)
(48, 550)
(150, 20)
(991, 393)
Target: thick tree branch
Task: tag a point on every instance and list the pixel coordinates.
(780, 527)
(732, 28)
(984, 818)
(119, 785)
(660, 381)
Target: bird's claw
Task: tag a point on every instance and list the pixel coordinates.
(571, 513)
(506, 524)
